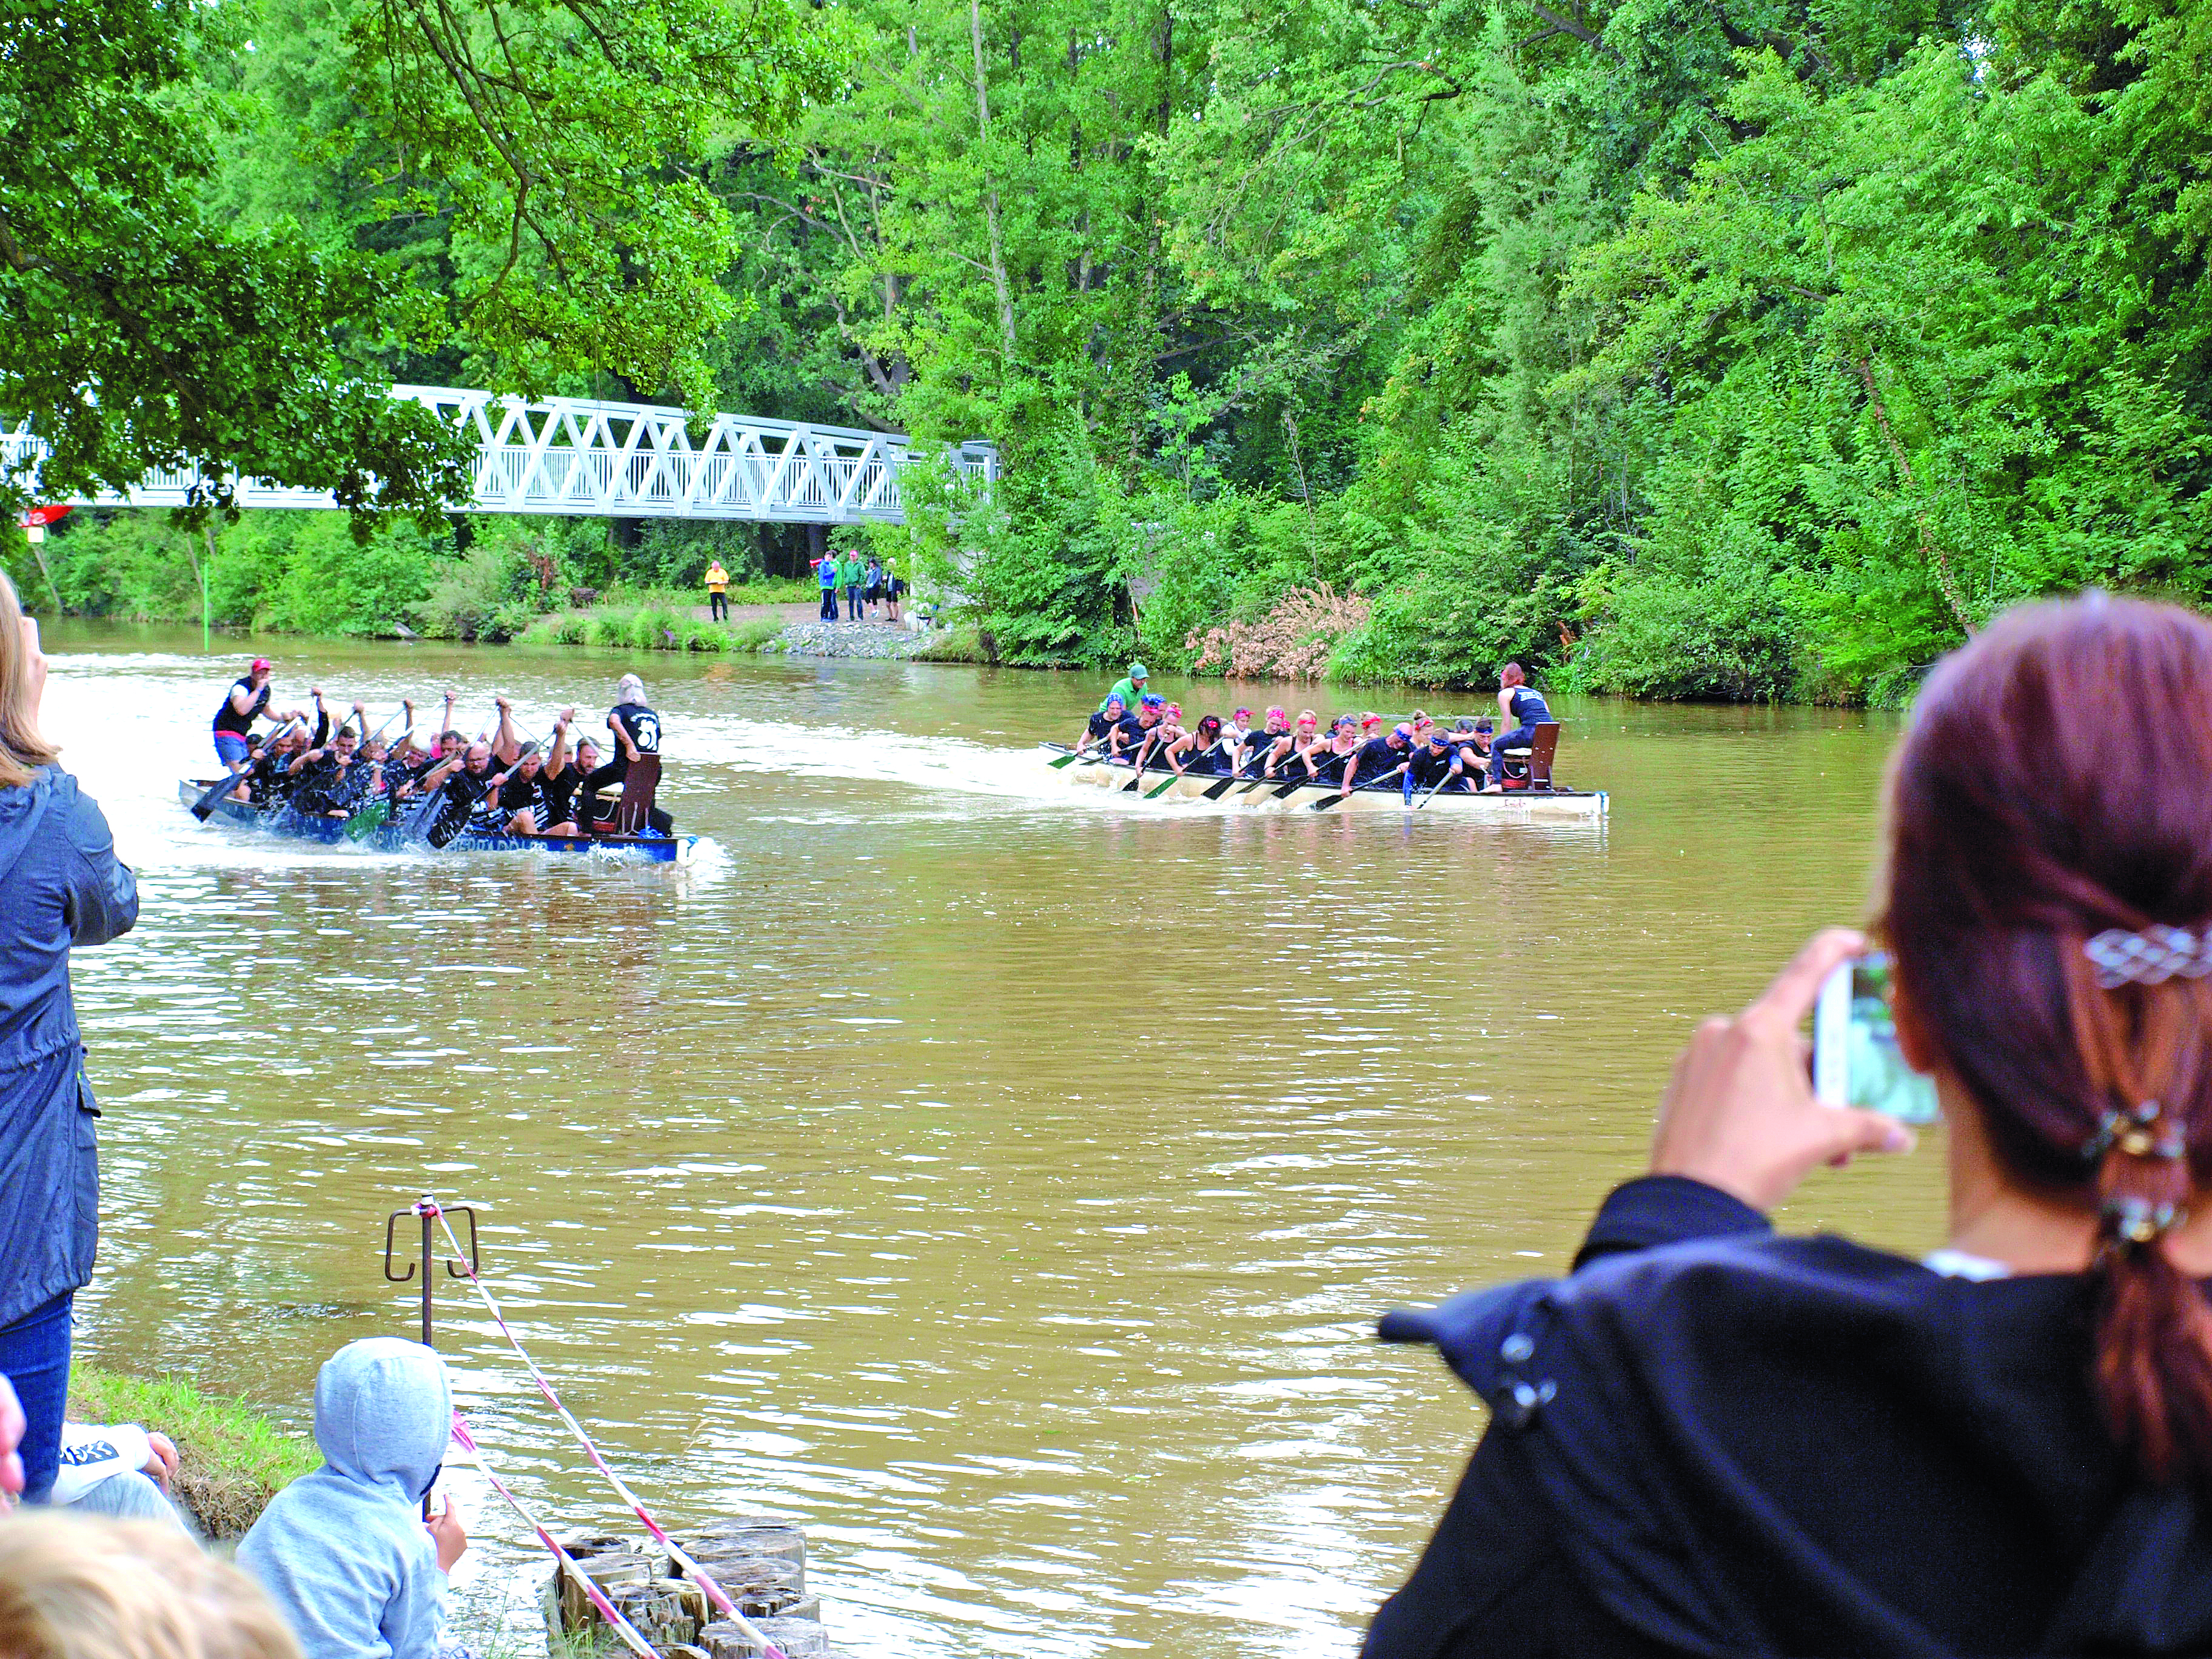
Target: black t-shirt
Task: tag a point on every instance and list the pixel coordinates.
(228, 718)
(559, 791)
(643, 727)
(1132, 729)
(1100, 726)
(1431, 765)
(517, 792)
(1374, 757)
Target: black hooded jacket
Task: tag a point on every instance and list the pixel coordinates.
(1711, 1440)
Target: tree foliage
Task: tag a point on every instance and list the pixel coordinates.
(1688, 348)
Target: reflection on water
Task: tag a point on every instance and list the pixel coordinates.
(1001, 1176)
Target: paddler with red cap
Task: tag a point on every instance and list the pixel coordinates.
(247, 702)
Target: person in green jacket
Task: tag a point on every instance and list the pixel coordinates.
(850, 573)
(1131, 690)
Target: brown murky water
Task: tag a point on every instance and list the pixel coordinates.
(1000, 1179)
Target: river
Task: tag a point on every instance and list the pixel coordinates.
(1000, 1178)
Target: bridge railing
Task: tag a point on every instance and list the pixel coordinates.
(579, 457)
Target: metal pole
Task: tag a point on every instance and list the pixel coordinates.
(425, 1214)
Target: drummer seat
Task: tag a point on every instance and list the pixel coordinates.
(640, 785)
(1534, 757)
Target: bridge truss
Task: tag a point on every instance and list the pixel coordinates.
(575, 457)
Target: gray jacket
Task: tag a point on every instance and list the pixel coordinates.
(60, 886)
(343, 1552)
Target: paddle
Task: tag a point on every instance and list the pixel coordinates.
(203, 808)
(1431, 796)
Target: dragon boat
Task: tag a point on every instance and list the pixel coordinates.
(1548, 804)
(392, 838)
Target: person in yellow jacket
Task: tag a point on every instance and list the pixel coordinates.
(718, 591)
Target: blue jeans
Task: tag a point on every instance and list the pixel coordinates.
(853, 603)
(230, 748)
(1516, 738)
(829, 605)
(34, 1356)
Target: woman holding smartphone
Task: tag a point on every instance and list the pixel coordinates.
(61, 886)
(1712, 1439)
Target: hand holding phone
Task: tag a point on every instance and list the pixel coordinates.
(1739, 1113)
(1856, 1058)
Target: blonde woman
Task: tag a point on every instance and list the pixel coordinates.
(60, 886)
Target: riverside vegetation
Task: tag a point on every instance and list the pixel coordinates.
(1749, 349)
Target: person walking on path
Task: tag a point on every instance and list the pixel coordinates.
(826, 569)
(61, 885)
(849, 572)
(718, 591)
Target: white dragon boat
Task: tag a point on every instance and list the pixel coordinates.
(1548, 804)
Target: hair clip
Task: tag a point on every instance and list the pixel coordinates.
(2137, 1221)
(2151, 957)
(2132, 1134)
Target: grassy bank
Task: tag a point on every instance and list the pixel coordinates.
(657, 621)
(231, 1460)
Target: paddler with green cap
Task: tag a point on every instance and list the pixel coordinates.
(1132, 689)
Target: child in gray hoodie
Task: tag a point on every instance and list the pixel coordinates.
(344, 1551)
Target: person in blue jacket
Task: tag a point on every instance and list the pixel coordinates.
(825, 572)
(1710, 1439)
(61, 886)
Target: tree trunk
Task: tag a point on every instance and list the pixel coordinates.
(991, 191)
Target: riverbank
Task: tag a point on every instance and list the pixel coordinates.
(231, 1459)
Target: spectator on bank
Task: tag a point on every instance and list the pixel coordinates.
(81, 1587)
(718, 592)
(61, 886)
(344, 1551)
(850, 573)
(894, 590)
(1710, 1439)
(872, 585)
(117, 1469)
(825, 572)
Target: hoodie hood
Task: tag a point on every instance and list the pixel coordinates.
(23, 810)
(384, 1410)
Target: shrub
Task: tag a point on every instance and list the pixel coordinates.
(1294, 640)
(754, 634)
(467, 596)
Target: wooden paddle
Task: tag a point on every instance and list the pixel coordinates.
(203, 808)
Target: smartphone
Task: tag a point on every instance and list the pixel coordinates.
(1856, 1060)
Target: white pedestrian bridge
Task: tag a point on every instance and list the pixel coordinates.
(574, 456)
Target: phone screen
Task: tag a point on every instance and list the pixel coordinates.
(1856, 1058)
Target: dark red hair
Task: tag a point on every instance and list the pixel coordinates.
(1511, 675)
(2057, 782)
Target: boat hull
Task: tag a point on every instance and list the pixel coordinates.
(1273, 795)
(391, 838)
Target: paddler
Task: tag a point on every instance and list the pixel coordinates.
(1198, 751)
(1100, 725)
(1439, 767)
(1131, 688)
(1378, 760)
